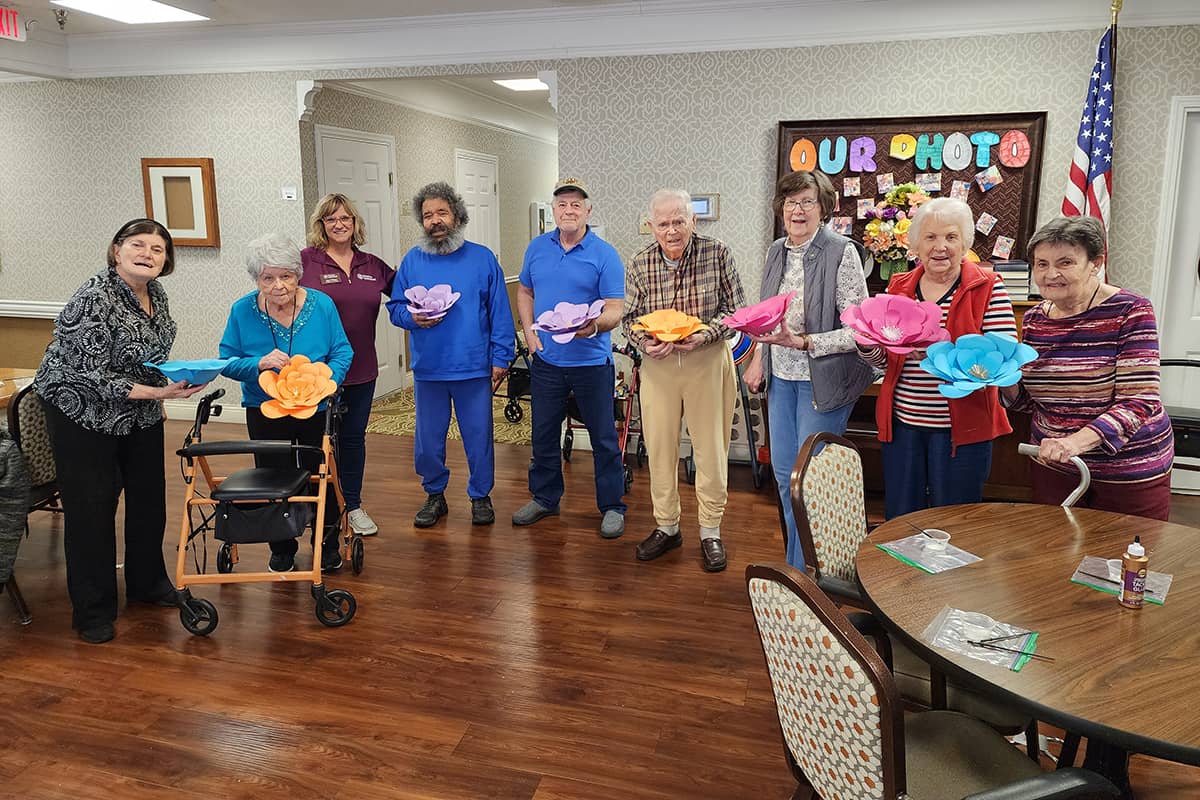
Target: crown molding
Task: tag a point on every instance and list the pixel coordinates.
(631, 28)
(30, 309)
(383, 97)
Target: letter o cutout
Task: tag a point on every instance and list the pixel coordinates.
(957, 152)
(803, 156)
(1014, 149)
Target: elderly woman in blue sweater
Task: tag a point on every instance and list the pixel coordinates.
(265, 329)
(459, 357)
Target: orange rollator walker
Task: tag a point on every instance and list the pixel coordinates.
(258, 505)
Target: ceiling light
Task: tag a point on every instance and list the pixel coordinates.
(133, 12)
(524, 85)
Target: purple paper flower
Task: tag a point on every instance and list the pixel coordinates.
(565, 319)
(432, 302)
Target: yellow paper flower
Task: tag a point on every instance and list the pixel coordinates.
(668, 325)
(298, 388)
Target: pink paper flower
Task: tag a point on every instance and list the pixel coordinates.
(433, 302)
(564, 320)
(897, 323)
(760, 318)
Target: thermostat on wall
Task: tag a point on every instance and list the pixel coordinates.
(707, 206)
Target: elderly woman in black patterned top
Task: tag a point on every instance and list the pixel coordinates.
(105, 419)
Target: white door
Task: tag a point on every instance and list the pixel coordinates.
(359, 165)
(475, 177)
(1178, 308)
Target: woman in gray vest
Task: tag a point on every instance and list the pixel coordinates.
(811, 362)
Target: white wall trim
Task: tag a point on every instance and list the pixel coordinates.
(185, 410)
(30, 309)
(383, 97)
(1164, 247)
(632, 28)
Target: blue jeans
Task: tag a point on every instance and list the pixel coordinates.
(472, 401)
(352, 441)
(593, 389)
(920, 472)
(793, 420)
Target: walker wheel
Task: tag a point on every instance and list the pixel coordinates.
(568, 445)
(641, 453)
(513, 412)
(628, 478)
(225, 559)
(357, 552)
(336, 608)
(198, 616)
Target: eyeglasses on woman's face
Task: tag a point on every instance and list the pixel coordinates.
(805, 204)
(341, 219)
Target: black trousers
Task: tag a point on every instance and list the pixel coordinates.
(92, 470)
(302, 431)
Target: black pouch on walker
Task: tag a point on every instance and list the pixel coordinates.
(275, 521)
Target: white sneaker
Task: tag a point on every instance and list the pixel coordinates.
(362, 523)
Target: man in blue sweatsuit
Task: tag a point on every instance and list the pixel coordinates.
(457, 358)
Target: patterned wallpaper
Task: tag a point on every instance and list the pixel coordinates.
(72, 176)
(425, 146)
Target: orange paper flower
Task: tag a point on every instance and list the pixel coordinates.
(668, 325)
(297, 389)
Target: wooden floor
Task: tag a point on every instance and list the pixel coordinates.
(486, 662)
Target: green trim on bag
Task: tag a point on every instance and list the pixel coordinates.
(906, 560)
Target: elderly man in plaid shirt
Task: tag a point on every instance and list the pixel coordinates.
(692, 378)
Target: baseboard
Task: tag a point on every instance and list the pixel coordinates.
(186, 410)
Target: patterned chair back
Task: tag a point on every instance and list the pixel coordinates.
(827, 501)
(27, 423)
(838, 707)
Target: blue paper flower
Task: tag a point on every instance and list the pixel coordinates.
(976, 360)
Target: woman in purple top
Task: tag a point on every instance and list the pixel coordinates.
(355, 280)
(1093, 391)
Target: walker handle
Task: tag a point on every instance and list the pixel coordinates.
(1085, 474)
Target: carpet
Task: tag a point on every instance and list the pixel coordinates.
(396, 415)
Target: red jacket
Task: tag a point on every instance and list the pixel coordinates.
(978, 417)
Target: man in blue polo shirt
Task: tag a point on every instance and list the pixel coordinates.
(572, 264)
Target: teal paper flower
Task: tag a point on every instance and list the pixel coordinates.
(976, 360)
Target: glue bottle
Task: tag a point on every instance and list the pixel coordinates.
(1133, 575)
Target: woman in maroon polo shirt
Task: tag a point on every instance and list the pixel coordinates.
(355, 280)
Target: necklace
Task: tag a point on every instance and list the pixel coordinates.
(1098, 285)
(291, 326)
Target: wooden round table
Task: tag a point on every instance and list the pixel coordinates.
(1127, 678)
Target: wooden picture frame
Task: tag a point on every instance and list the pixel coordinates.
(1012, 202)
(181, 194)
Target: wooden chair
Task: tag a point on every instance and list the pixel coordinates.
(14, 506)
(844, 731)
(831, 519)
(27, 425)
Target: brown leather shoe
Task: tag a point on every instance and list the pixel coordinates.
(657, 543)
(712, 554)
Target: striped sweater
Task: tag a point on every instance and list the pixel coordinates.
(1099, 369)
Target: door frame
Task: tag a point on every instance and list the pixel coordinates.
(1164, 249)
(494, 160)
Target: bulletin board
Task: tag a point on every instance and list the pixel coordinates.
(993, 161)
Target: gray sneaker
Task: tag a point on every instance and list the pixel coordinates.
(613, 524)
(531, 512)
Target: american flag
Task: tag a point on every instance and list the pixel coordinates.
(1090, 183)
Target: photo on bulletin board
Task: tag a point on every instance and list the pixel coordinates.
(993, 161)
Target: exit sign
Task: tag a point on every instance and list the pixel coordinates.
(10, 25)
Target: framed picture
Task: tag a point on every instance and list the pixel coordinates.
(181, 194)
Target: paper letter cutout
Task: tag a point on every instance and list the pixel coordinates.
(929, 153)
(956, 153)
(1014, 149)
(903, 147)
(984, 140)
(803, 157)
(862, 154)
(832, 166)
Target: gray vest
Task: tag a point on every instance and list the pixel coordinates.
(838, 378)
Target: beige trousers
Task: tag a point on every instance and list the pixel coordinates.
(698, 386)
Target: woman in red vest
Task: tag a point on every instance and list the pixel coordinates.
(936, 451)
